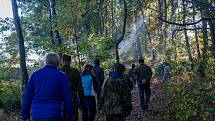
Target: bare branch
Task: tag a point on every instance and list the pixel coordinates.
(186, 24)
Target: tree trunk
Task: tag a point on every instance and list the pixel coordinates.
(165, 24)
(205, 36)
(212, 28)
(161, 35)
(55, 34)
(23, 68)
(196, 34)
(160, 14)
(139, 30)
(174, 5)
(77, 49)
(212, 31)
(123, 31)
(185, 34)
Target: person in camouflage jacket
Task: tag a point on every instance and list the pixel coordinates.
(115, 98)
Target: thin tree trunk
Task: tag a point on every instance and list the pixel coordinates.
(55, 33)
(113, 29)
(173, 18)
(205, 36)
(123, 31)
(212, 31)
(196, 34)
(185, 34)
(139, 30)
(77, 49)
(165, 24)
(22, 56)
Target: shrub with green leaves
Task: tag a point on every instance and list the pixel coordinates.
(187, 98)
(10, 96)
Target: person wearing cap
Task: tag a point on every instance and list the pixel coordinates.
(144, 75)
(115, 100)
(75, 81)
(47, 93)
(90, 89)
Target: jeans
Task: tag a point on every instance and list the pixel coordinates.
(98, 95)
(89, 108)
(144, 92)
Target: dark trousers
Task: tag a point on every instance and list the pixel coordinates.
(115, 117)
(144, 92)
(75, 108)
(49, 119)
(98, 95)
(89, 108)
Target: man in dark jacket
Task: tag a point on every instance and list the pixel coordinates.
(46, 93)
(144, 74)
(99, 74)
(115, 98)
(90, 89)
(74, 77)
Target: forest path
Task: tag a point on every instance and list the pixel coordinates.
(136, 114)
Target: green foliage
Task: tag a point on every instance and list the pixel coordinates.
(188, 97)
(8, 73)
(10, 96)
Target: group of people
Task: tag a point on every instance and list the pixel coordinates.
(56, 93)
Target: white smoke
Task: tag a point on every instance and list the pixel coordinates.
(129, 40)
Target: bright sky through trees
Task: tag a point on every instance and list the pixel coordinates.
(5, 9)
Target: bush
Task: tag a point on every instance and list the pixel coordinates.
(10, 96)
(188, 98)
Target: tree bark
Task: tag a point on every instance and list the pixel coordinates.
(174, 5)
(205, 36)
(160, 26)
(185, 34)
(22, 56)
(212, 31)
(196, 34)
(123, 32)
(55, 34)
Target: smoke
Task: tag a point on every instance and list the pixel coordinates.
(129, 40)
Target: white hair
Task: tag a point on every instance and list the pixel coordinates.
(52, 58)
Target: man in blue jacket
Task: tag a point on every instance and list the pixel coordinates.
(47, 92)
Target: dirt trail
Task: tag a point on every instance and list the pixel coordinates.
(136, 114)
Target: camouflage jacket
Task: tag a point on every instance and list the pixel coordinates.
(116, 96)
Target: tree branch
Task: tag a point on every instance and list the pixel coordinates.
(186, 24)
(173, 33)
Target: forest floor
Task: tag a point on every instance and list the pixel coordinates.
(136, 114)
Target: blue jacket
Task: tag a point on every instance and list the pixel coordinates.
(46, 94)
(89, 84)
